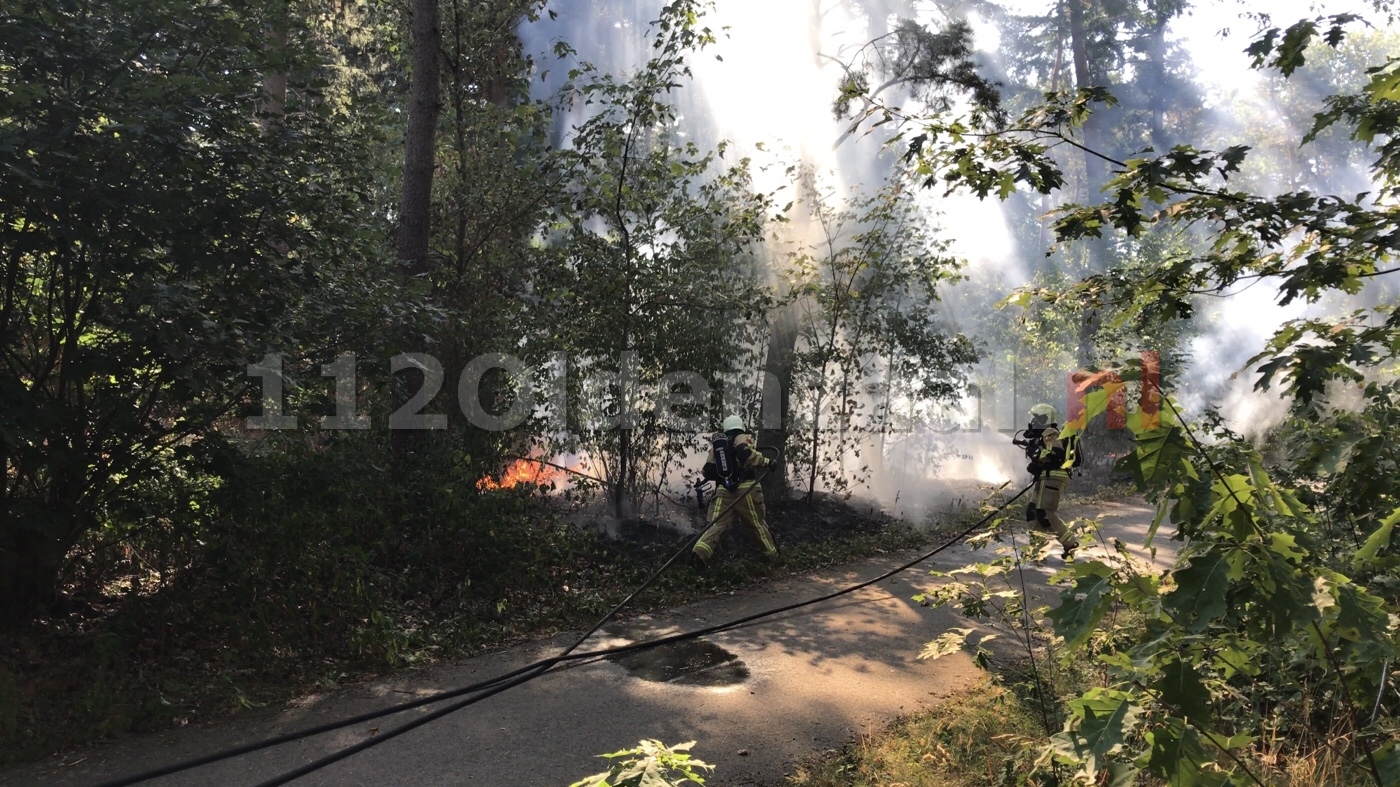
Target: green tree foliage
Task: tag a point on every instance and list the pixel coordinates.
(1274, 632)
(1117, 46)
(866, 288)
(156, 237)
(935, 65)
(499, 177)
(497, 181)
(1253, 626)
(648, 282)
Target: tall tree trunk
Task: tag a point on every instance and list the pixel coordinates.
(816, 445)
(1158, 54)
(626, 390)
(420, 155)
(624, 467)
(274, 81)
(775, 408)
(886, 422)
(1095, 169)
(477, 284)
(420, 143)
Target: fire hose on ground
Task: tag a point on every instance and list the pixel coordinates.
(529, 672)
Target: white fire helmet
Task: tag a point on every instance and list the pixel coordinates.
(1042, 415)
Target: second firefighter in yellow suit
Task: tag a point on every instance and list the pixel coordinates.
(742, 497)
(1052, 457)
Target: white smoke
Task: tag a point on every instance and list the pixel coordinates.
(767, 87)
(1236, 328)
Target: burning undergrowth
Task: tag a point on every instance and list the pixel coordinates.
(523, 471)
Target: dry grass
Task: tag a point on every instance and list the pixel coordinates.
(1322, 769)
(1314, 761)
(978, 737)
(986, 736)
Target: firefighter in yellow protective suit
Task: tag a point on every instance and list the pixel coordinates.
(1052, 456)
(732, 464)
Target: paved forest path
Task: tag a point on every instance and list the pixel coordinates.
(757, 699)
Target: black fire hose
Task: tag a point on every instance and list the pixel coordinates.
(524, 674)
(488, 688)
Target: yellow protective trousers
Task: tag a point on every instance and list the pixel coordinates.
(723, 509)
(1048, 490)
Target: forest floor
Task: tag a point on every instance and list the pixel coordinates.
(761, 700)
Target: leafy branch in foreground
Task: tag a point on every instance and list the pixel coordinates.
(650, 764)
(1309, 245)
(1272, 637)
(1255, 646)
(1246, 637)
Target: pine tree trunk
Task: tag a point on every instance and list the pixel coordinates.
(1158, 54)
(273, 105)
(420, 143)
(420, 155)
(816, 446)
(1095, 169)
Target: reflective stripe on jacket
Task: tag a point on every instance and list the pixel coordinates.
(1055, 458)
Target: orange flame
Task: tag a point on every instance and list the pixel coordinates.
(522, 471)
